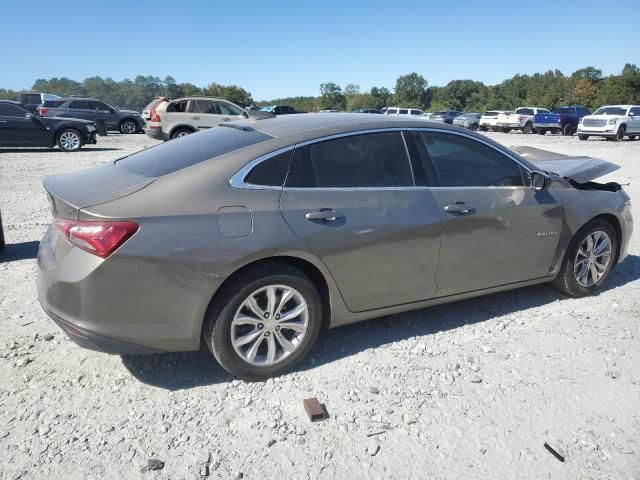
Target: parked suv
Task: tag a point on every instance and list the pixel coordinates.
(125, 121)
(167, 119)
(613, 122)
(403, 111)
(489, 120)
(21, 128)
(280, 109)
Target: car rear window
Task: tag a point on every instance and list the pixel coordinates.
(190, 150)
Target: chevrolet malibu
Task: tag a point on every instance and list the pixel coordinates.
(256, 235)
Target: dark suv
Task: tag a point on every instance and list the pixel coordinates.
(125, 121)
(21, 128)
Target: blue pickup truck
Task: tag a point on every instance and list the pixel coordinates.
(562, 120)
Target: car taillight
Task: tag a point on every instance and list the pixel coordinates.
(519, 118)
(42, 111)
(559, 119)
(99, 238)
(153, 114)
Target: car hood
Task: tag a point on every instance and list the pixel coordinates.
(579, 168)
(129, 112)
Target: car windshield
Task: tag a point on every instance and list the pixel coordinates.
(268, 108)
(564, 110)
(611, 111)
(490, 114)
(193, 149)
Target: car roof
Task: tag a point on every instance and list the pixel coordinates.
(308, 126)
(13, 102)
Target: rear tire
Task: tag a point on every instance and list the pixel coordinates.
(505, 130)
(579, 252)
(69, 140)
(227, 316)
(527, 129)
(181, 132)
(583, 137)
(482, 129)
(568, 130)
(541, 131)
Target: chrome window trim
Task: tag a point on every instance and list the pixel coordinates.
(237, 180)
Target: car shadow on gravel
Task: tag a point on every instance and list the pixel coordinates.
(13, 252)
(175, 371)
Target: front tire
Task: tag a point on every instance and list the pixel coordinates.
(69, 140)
(128, 126)
(620, 134)
(588, 260)
(583, 137)
(568, 130)
(527, 129)
(264, 322)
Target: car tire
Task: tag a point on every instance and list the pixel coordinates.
(570, 279)
(474, 127)
(69, 140)
(128, 126)
(527, 129)
(541, 131)
(583, 137)
(568, 130)
(622, 131)
(482, 129)
(181, 132)
(505, 130)
(229, 310)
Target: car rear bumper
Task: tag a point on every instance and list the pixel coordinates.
(120, 307)
(547, 125)
(156, 133)
(509, 125)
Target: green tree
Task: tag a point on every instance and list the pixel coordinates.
(380, 97)
(331, 97)
(411, 91)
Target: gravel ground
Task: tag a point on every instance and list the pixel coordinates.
(468, 390)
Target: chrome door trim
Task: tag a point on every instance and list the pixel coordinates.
(237, 180)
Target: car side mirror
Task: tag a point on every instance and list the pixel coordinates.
(246, 115)
(539, 181)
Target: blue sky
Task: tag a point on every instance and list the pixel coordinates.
(287, 48)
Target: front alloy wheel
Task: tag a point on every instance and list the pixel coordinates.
(69, 140)
(592, 259)
(128, 127)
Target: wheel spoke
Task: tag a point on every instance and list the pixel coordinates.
(582, 253)
(243, 320)
(286, 296)
(291, 314)
(590, 243)
(271, 349)
(254, 307)
(271, 300)
(248, 338)
(286, 345)
(251, 354)
(296, 327)
(601, 246)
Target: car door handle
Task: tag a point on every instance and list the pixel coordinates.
(227, 119)
(195, 118)
(326, 214)
(3, 121)
(460, 208)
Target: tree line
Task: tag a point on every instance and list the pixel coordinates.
(586, 86)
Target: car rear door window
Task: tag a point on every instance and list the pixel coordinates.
(203, 106)
(8, 110)
(80, 105)
(403, 111)
(95, 105)
(356, 161)
(451, 160)
(270, 172)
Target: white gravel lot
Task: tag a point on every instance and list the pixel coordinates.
(470, 390)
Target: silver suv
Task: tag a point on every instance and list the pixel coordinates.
(167, 119)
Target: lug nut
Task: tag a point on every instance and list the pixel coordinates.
(277, 317)
(266, 315)
(277, 329)
(266, 334)
(260, 326)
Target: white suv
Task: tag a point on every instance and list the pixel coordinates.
(167, 119)
(403, 111)
(612, 121)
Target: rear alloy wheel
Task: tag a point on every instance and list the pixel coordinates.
(583, 137)
(568, 130)
(69, 140)
(181, 132)
(261, 327)
(588, 260)
(128, 127)
(528, 129)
